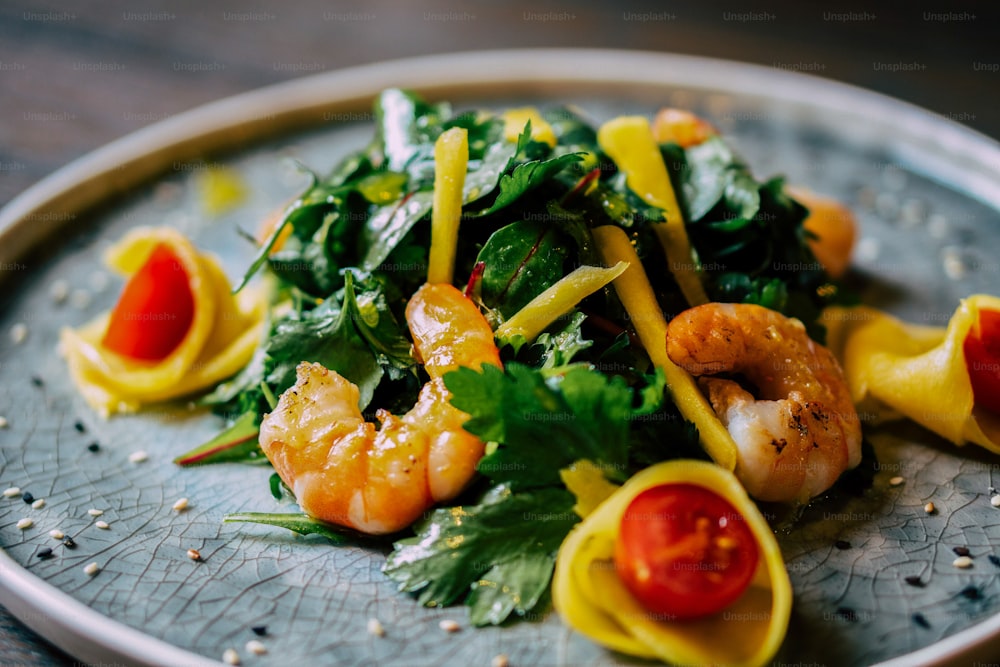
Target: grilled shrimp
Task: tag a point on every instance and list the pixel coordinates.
(345, 471)
(800, 431)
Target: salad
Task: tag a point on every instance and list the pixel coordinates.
(545, 360)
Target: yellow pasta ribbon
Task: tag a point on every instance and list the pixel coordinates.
(628, 140)
(915, 371)
(588, 594)
(223, 334)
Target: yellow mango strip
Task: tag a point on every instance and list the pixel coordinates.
(220, 190)
(224, 332)
(451, 161)
(585, 480)
(590, 597)
(628, 140)
(915, 371)
(558, 300)
(516, 119)
(637, 296)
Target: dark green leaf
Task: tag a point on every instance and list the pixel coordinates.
(543, 425)
(302, 524)
(508, 542)
(521, 260)
(526, 177)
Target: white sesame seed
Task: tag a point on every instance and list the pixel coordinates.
(59, 290)
(95, 512)
(79, 298)
(91, 569)
(138, 457)
(500, 660)
(180, 505)
(929, 508)
(896, 481)
(963, 562)
(56, 534)
(995, 501)
(256, 647)
(12, 492)
(4, 423)
(375, 628)
(194, 554)
(38, 504)
(25, 523)
(449, 625)
(18, 333)
(231, 657)
(103, 525)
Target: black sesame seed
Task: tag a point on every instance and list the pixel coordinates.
(971, 593)
(961, 551)
(78, 425)
(921, 620)
(27, 498)
(69, 543)
(995, 559)
(94, 447)
(37, 381)
(45, 553)
(842, 544)
(259, 630)
(914, 580)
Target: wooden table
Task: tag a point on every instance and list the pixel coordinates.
(73, 77)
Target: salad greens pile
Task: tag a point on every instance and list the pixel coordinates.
(353, 247)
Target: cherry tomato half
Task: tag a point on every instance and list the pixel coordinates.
(684, 551)
(155, 310)
(982, 359)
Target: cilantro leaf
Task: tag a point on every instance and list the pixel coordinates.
(498, 554)
(542, 425)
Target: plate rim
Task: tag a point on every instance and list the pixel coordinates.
(248, 118)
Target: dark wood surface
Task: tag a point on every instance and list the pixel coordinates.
(76, 75)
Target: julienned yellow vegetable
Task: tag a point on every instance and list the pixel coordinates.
(222, 336)
(629, 141)
(915, 371)
(557, 300)
(644, 312)
(451, 160)
(516, 119)
(593, 600)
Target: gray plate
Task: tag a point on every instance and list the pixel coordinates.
(927, 193)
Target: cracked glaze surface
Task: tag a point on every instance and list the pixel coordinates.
(852, 604)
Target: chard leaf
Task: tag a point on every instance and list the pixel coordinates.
(520, 260)
(499, 554)
(238, 443)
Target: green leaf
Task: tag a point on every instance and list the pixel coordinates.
(498, 554)
(326, 335)
(560, 345)
(302, 524)
(521, 260)
(376, 323)
(526, 177)
(238, 443)
(543, 424)
(389, 224)
(406, 125)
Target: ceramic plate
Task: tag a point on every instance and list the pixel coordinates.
(927, 192)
